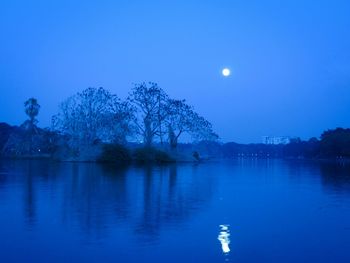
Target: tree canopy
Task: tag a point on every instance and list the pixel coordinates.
(148, 115)
(31, 108)
(94, 114)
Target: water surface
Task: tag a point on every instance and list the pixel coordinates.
(229, 211)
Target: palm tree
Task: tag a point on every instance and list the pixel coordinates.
(32, 108)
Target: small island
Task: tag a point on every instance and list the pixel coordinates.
(97, 126)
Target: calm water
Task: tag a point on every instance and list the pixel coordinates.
(232, 211)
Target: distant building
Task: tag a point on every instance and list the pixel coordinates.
(275, 139)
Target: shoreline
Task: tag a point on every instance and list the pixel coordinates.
(172, 161)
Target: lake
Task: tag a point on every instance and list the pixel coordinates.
(225, 211)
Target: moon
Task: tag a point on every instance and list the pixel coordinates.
(226, 72)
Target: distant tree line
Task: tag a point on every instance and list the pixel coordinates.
(334, 143)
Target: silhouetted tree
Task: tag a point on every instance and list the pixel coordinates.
(183, 119)
(178, 121)
(335, 143)
(94, 114)
(31, 108)
(151, 108)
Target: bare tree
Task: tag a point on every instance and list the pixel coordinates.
(118, 121)
(151, 107)
(148, 112)
(93, 114)
(178, 120)
(183, 119)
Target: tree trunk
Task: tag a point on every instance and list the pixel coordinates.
(148, 135)
(172, 138)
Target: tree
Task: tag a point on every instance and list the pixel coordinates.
(202, 129)
(335, 143)
(182, 118)
(118, 121)
(94, 114)
(31, 108)
(178, 120)
(151, 108)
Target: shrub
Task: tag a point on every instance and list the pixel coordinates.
(114, 153)
(147, 155)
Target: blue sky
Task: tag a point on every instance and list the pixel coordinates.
(290, 60)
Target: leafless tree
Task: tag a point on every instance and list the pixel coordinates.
(183, 119)
(93, 114)
(151, 108)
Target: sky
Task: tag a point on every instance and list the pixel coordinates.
(289, 60)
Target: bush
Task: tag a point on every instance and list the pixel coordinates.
(114, 153)
(148, 155)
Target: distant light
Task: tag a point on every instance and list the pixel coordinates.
(226, 72)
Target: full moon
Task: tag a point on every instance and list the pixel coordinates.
(226, 72)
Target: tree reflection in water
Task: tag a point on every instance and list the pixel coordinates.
(94, 197)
